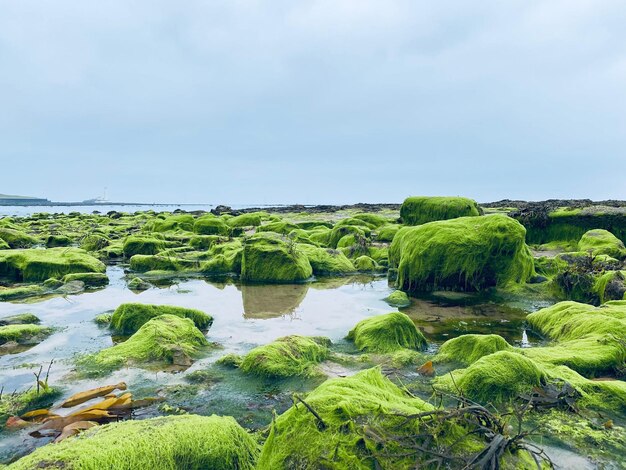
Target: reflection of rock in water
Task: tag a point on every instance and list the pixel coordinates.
(335, 282)
(269, 301)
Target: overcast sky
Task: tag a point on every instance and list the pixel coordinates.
(323, 101)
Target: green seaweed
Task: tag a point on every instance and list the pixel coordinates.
(387, 333)
(270, 259)
(419, 210)
(34, 265)
(129, 317)
(467, 349)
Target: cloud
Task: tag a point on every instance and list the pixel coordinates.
(313, 101)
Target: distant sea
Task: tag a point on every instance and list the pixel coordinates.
(23, 211)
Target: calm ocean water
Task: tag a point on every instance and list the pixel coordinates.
(24, 211)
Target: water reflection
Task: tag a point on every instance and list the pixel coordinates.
(271, 301)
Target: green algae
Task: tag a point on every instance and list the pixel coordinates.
(387, 333)
(211, 225)
(142, 245)
(162, 340)
(94, 242)
(422, 209)
(467, 349)
(20, 292)
(270, 259)
(326, 261)
(252, 219)
(129, 317)
(53, 241)
(89, 279)
(495, 378)
(23, 333)
(387, 232)
(366, 264)
(398, 299)
(468, 253)
(182, 222)
(16, 238)
(165, 443)
(602, 242)
(15, 404)
(20, 319)
(34, 265)
(288, 356)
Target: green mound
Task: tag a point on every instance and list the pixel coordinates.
(387, 333)
(142, 245)
(129, 317)
(387, 232)
(94, 242)
(53, 241)
(23, 334)
(366, 264)
(602, 242)
(166, 339)
(468, 253)
(89, 279)
(252, 219)
(17, 403)
(326, 260)
(16, 238)
(495, 378)
(172, 223)
(270, 259)
(211, 225)
(21, 292)
(422, 209)
(19, 319)
(588, 339)
(348, 408)
(467, 349)
(286, 357)
(165, 443)
(398, 299)
(38, 265)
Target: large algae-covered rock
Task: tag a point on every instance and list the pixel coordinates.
(588, 339)
(336, 438)
(165, 443)
(38, 265)
(387, 333)
(468, 253)
(602, 242)
(495, 378)
(129, 317)
(181, 222)
(398, 299)
(142, 245)
(20, 292)
(422, 209)
(211, 225)
(252, 219)
(467, 349)
(326, 260)
(16, 238)
(89, 279)
(23, 334)
(270, 259)
(166, 339)
(287, 356)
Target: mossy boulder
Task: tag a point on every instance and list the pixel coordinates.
(53, 241)
(398, 299)
(270, 259)
(138, 284)
(163, 340)
(19, 319)
(366, 264)
(20, 292)
(495, 378)
(38, 265)
(419, 210)
(326, 261)
(587, 339)
(387, 232)
(142, 245)
(288, 356)
(129, 317)
(166, 443)
(94, 242)
(89, 279)
(4, 245)
(387, 333)
(252, 219)
(468, 254)
(467, 349)
(17, 238)
(179, 222)
(348, 408)
(602, 242)
(23, 334)
(211, 225)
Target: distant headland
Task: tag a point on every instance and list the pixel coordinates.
(11, 200)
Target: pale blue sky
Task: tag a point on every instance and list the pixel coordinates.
(319, 101)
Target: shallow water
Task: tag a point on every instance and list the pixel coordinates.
(244, 316)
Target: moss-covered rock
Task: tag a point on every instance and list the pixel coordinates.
(53, 241)
(20, 319)
(286, 357)
(387, 232)
(326, 261)
(89, 279)
(163, 340)
(38, 265)
(94, 242)
(171, 223)
(495, 378)
(398, 299)
(387, 333)
(211, 225)
(23, 334)
(142, 245)
(129, 317)
(20, 292)
(17, 403)
(270, 259)
(252, 219)
(349, 408)
(468, 253)
(602, 242)
(422, 209)
(16, 238)
(366, 264)
(467, 349)
(166, 443)
(138, 284)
